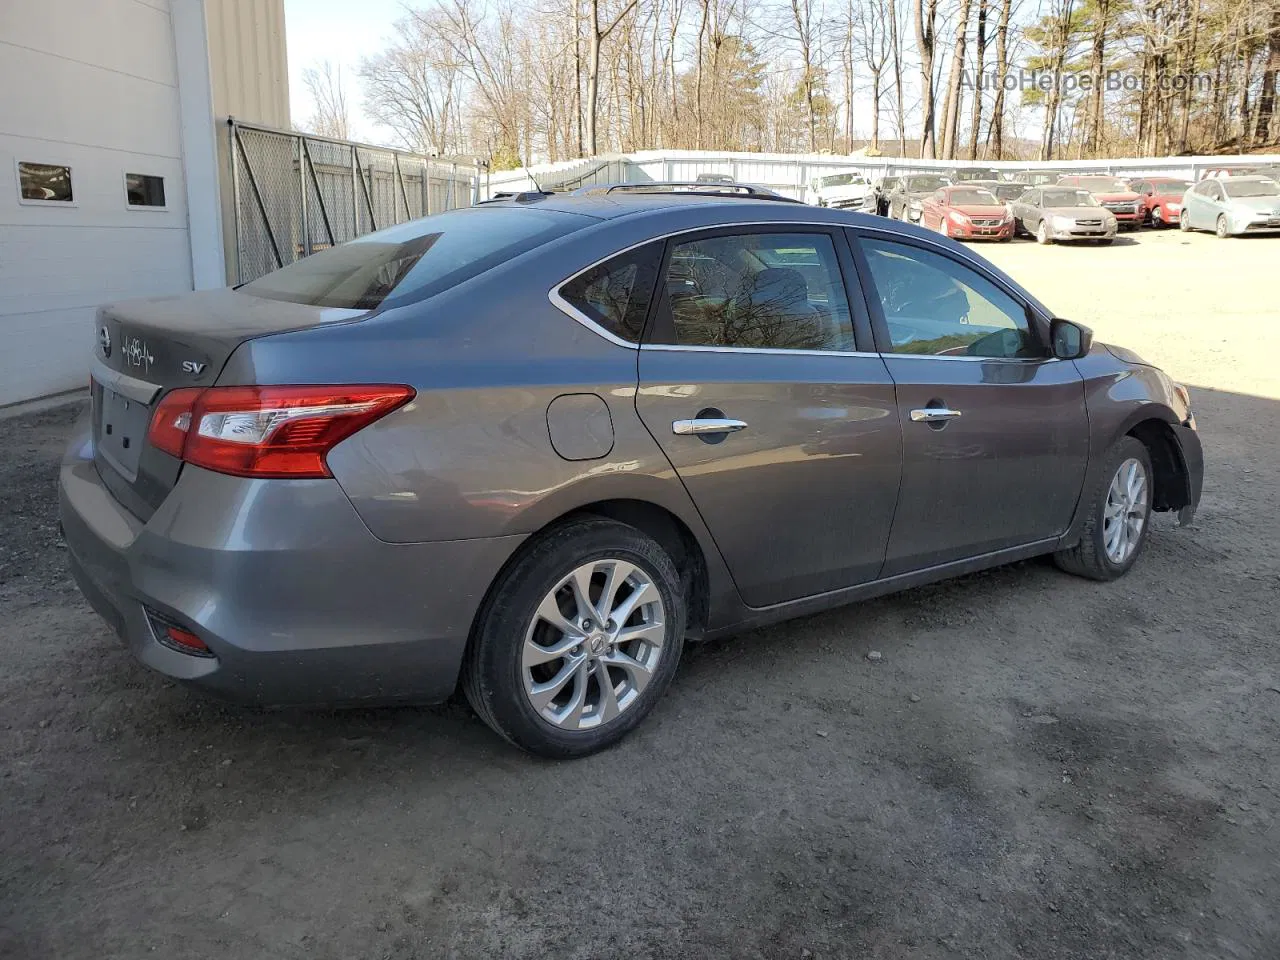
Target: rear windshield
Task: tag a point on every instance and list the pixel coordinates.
(420, 258)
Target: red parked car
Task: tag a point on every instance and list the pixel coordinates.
(1162, 198)
(1114, 194)
(967, 213)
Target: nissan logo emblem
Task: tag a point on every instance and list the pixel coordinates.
(104, 341)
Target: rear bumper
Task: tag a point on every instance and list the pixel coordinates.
(297, 601)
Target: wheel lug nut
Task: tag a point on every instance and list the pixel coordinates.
(587, 624)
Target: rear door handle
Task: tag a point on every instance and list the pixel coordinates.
(933, 414)
(703, 425)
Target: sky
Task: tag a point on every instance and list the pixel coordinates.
(342, 31)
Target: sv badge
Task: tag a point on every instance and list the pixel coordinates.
(193, 367)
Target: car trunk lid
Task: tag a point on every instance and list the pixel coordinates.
(145, 348)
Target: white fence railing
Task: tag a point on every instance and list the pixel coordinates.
(789, 173)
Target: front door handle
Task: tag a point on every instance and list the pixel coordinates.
(704, 425)
(933, 414)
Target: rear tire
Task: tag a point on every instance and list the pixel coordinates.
(1090, 557)
(502, 684)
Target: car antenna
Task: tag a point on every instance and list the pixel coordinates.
(536, 185)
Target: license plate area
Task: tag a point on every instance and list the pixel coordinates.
(122, 430)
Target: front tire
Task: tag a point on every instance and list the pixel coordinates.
(1042, 234)
(1221, 229)
(578, 641)
(1184, 222)
(1157, 219)
(1119, 517)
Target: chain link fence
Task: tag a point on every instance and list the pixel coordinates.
(295, 194)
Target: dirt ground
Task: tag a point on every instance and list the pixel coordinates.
(1038, 766)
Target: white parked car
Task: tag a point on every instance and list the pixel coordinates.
(844, 191)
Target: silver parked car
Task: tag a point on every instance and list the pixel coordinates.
(1232, 206)
(534, 445)
(1062, 213)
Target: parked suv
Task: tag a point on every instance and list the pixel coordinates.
(532, 446)
(844, 191)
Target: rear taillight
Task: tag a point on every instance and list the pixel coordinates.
(172, 420)
(268, 431)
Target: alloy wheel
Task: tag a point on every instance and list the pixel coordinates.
(1184, 222)
(1221, 229)
(1125, 513)
(593, 644)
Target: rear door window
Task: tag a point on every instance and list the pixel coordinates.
(774, 291)
(414, 260)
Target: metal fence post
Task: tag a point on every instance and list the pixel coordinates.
(302, 198)
(235, 190)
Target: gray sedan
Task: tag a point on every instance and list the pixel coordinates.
(533, 446)
(1062, 213)
(1232, 206)
(906, 201)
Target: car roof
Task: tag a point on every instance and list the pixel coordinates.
(609, 206)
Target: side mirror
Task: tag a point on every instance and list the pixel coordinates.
(1070, 340)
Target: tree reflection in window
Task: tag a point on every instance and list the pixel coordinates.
(761, 291)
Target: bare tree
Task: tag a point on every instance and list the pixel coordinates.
(330, 116)
(597, 34)
(979, 55)
(995, 133)
(926, 12)
(869, 31)
(951, 116)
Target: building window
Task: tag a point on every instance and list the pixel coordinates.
(44, 183)
(144, 190)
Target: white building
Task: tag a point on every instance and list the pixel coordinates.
(112, 144)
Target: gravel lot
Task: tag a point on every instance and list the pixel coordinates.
(1037, 767)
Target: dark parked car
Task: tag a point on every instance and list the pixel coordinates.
(1062, 213)
(965, 174)
(1005, 190)
(1039, 178)
(881, 188)
(906, 201)
(533, 445)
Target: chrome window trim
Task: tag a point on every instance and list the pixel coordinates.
(565, 307)
(772, 351)
(967, 359)
(569, 310)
